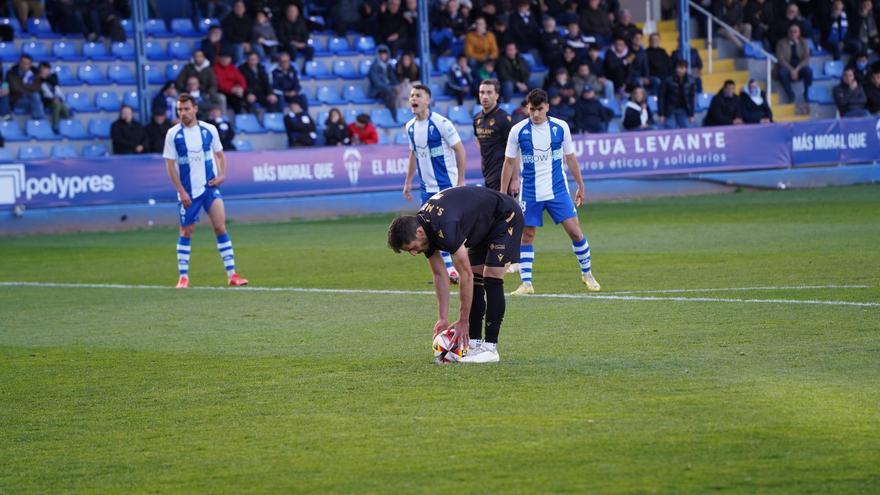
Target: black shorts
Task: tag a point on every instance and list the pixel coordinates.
(502, 246)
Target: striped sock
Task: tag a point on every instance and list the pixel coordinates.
(581, 249)
(183, 251)
(447, 260)
(526, 258)
(224, 245)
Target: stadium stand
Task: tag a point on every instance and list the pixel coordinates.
(97, 76)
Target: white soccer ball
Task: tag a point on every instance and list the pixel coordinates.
(446, 350)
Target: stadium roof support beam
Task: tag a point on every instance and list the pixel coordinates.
(139, 18)
(424, 43)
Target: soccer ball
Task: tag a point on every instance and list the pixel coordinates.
(446, 350)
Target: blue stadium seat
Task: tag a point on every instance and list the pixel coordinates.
(438, 92)
(703, 101)
(357, 94)
(351, 114)
(80, 102)
(834, 68)
(205, 24)
(91, 74)
(383, 138)
(32, 153)
(444, 64)
(36, 49)
(243, 144)
(401, 138)
(130, 98)
(171, 71)
(819, 71)
(121, 74)
(319, 44)
(94, 150)
(127, 26)
(154, 74)
(346, 69)
(653, 103)
(364, 66)
(96, 51)
(508, 107)
(72, 129)
(317, 69)
(41, 28)
(248, 124)
(10, 22)
(382, 118)
(476, 110)
(41, 130)
(365, 45)
(108, 101)
(753, 50)
(533, 64)
(613, 127)
(611, 104)
(274, 122)
(6, 156)
(65, 51)
(65, 74)
(330, 95)
(8, 52)
(99, 128)
(180, 50)
(155, 27)
(123, 50)
(815, 50)
(155, 51)
(63, 151)
(12, 131)
(322, 118)
(339, 46)
(183, 27)
(820, 94)
(460, 115)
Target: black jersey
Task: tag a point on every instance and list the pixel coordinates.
(468, 215)
(491, 130)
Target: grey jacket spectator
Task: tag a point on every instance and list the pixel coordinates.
(383, 80)
(200, 68)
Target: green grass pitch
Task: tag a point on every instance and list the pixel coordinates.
(752, 389)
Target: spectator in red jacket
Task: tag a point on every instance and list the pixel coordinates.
(362, 131)
(230, 82)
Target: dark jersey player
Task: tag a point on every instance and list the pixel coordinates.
(491, 127)
(481, 228)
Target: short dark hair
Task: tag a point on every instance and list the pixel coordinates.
(495, 83)
(422, 87)
(402, 231)
(537, 97)
(362, 118)
(186, 97)
(729, 82)
(681, 63)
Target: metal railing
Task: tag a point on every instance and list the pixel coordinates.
(711, 19)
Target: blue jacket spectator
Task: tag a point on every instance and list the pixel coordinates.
(285, 82)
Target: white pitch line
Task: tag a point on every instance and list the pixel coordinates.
(736, 289)
(427, 293)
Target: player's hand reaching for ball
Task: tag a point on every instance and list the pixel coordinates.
(216, 181)
(462, 333)
(440, 326)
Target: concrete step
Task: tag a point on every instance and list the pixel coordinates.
(667, 27)
(784, 110)
(720, 65)
(790, 118)
(712, 82)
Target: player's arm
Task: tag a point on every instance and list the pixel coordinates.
(220, 161)
(458, 149)
(465, 295)
(572, 163)
(441, 288)
(174, 175)
(410, 172)
(509, 183)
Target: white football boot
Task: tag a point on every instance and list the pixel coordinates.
(482, 354)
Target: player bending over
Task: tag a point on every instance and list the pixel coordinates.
(196, 165)
(435, 150)
(482, 229)
(540, 144)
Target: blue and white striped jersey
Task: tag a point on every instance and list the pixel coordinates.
(432, 140)
(193, 148)
(541, 149)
